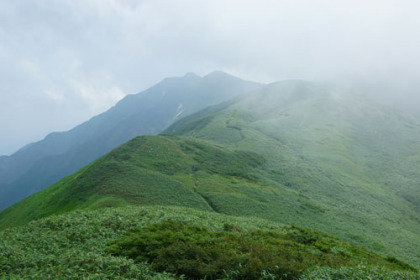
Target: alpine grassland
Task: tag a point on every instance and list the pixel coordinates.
(344, 164)
(312, 163)
(147, 170)
(158, 242)
(40, 164)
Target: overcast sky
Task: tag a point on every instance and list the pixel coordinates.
(63, 61)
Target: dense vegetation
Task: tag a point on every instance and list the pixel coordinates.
(79, 245)
(40, 164)
(293, 153)
(145, 171)
(200, 253)
(353, 164)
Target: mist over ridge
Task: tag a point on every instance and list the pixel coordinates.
(40, 164)
(62, 62)
(211, 139)
(294, 152)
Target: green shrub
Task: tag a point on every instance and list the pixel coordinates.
(198, 252)
(400, 263)
(357, 273)
(73, 246)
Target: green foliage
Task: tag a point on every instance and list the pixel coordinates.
(147, 113)
(145, 171)
(200, 253)
(293, 153)
(74, 245)
(400, 263)
(343, 165)
(70, 247)
(356, 273)
(218, 161)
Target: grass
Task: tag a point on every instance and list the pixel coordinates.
(351, 166)
(339, 165)
(74, 245)
(145, 171)
(197, 252)
(355, 273)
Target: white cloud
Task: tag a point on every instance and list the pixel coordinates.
(54, 95)
(97, 94)
(34, 71)
(83, 55)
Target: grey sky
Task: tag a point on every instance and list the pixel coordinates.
(63, 61)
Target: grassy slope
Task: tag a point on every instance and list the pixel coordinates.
(352, 166)
(40, 164)
(314, 163)
(146, 171)
(81, 238)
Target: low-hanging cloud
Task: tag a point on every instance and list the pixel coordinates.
(63, 61)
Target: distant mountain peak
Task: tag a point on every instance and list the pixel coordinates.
(145, 113)
(214, 75)
(191, 75)
(217, 74)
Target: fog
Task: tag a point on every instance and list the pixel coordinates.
(63, 61)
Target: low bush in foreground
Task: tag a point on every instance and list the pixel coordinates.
(197, 252)
(74, 246)
(357, 273)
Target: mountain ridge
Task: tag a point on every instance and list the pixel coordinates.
(338, 164)
(61, 153)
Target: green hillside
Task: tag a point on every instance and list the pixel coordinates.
(294, 152)
(92, 245)
(148, 170)
(40, 164)
(354, 165)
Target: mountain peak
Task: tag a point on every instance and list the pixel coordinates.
(144, 113)
(217, 74)
(191, 75)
